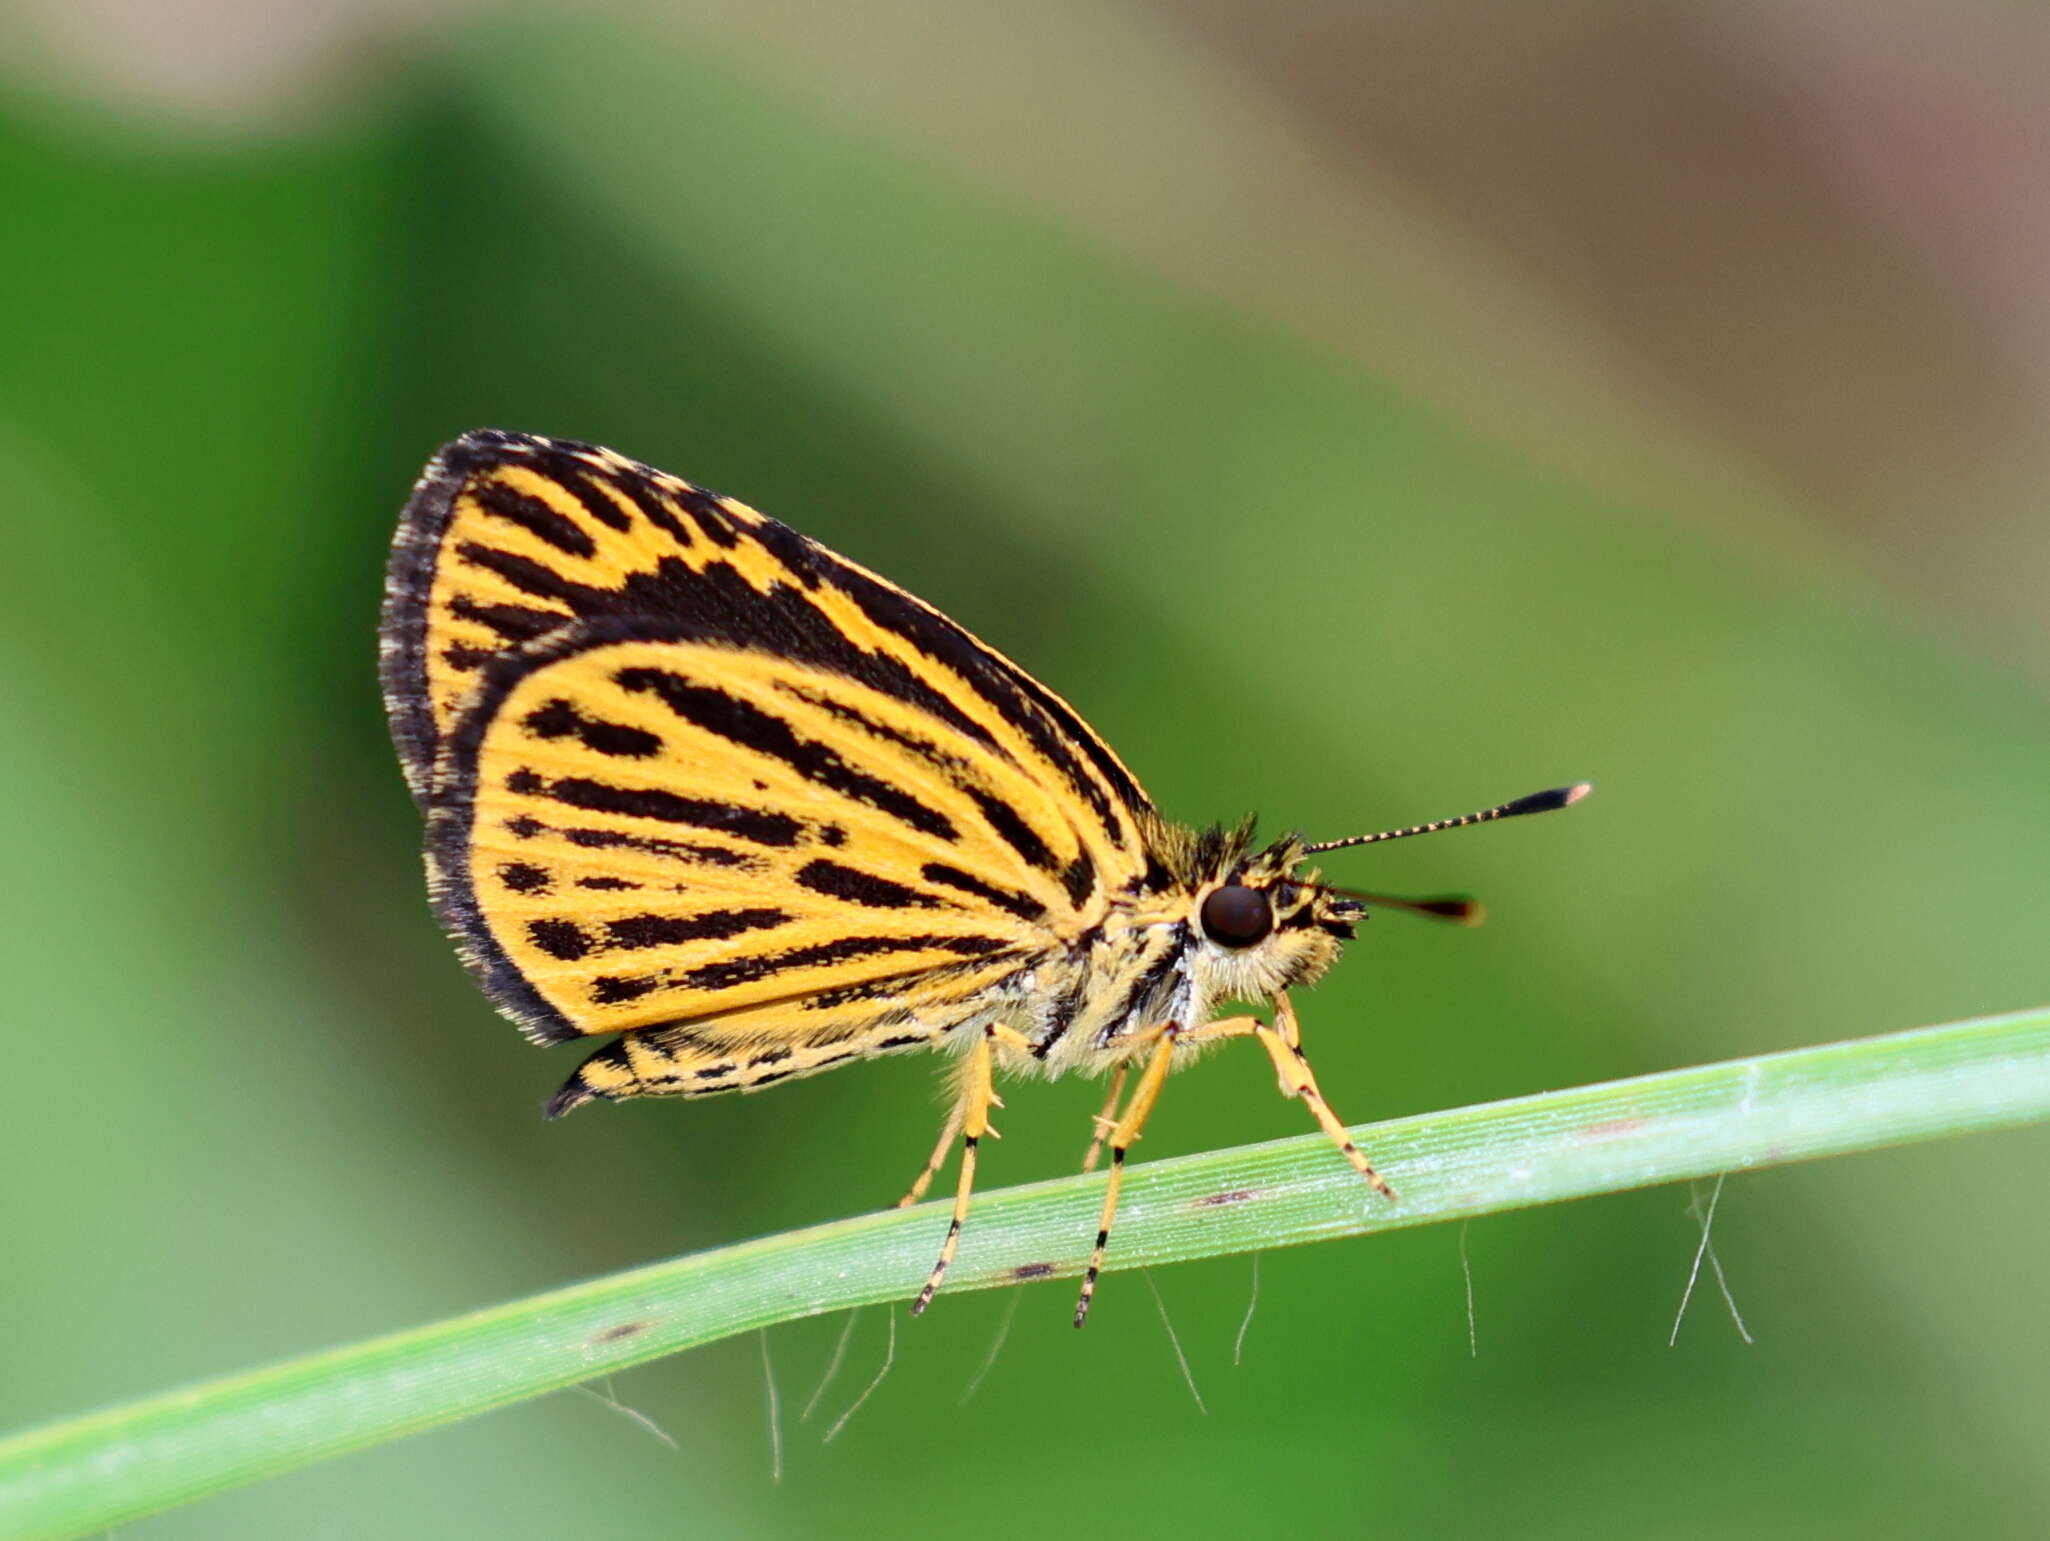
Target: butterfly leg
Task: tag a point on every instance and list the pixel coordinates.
(938, 1158)
(1120, 1139)
(1122, 1133)
(971, 1117)
(1283, 1043)
(1106, 1120)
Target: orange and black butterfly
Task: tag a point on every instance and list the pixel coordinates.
(698, 787)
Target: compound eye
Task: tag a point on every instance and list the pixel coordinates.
(1237, 916)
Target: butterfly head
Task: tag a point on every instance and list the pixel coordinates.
(1266, 925)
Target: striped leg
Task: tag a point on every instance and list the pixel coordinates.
(1126, 1129)
(1106, 1120)
(1283, 1043)
(1158, 1063)
(951, 1128)
(971, 1117)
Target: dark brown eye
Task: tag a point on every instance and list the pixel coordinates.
(1237, 916)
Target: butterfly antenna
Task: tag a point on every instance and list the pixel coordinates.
(1537, 802)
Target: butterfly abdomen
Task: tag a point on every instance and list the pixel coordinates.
(676, 1064)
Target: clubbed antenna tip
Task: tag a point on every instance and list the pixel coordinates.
(1545, 802)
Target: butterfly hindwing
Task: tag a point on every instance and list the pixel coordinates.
(637, 829)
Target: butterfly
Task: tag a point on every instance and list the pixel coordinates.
(697, 786)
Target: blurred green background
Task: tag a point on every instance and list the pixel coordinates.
(1361, 415)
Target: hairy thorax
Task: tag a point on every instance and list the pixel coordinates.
(1150, 966)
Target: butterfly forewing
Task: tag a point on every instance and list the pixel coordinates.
(694, 778)
(509, 536)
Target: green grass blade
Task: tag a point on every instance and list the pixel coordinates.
(91, 1473)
